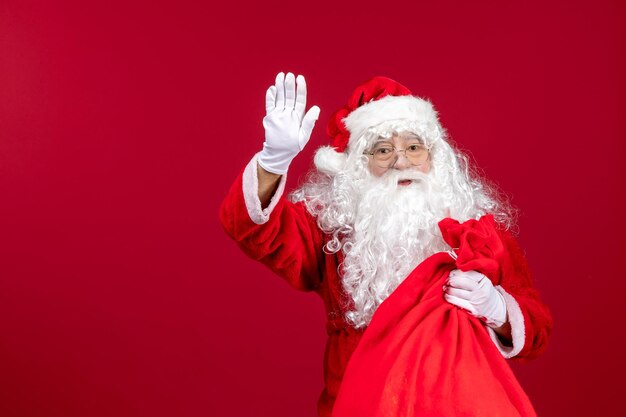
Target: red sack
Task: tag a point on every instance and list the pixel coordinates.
(422, 356)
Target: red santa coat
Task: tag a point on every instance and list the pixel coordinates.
(286, 238)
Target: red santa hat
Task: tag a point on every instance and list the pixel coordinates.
(380, 104)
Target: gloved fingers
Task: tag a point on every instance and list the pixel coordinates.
(461, 282)
(455, 292)
(300, 94)
(290, 91)
(308, 122)
(270, 99)
(459, 302)
(473, 275)
(280, 90)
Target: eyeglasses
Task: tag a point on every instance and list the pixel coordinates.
(385, 155)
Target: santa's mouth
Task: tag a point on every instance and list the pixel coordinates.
(404, 182)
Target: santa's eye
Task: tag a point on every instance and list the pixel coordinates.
(386, 150)
(414, 148)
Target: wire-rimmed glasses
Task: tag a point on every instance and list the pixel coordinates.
(385, 154)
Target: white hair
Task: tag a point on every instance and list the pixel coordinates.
(385, 230)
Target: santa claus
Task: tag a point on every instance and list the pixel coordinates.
(425, 288)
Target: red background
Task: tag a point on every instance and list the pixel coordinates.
(122, 126)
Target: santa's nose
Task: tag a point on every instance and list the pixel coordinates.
(401, 161)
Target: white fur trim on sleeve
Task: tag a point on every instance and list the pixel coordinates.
(251, 193)
(518, 331)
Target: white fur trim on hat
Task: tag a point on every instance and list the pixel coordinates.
(408, 112)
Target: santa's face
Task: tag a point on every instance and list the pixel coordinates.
(404, 151)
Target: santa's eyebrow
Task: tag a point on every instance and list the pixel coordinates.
(382, 140)
(411, 136)
(403, 136)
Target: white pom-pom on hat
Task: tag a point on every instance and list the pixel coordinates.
(328, 161)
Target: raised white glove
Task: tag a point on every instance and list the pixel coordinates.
(287, 127)
(475, 293)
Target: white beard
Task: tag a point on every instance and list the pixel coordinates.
(395, 228)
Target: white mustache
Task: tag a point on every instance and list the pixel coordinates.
(391, 179)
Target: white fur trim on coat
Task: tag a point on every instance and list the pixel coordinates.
(518, 331)
(251, 193)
